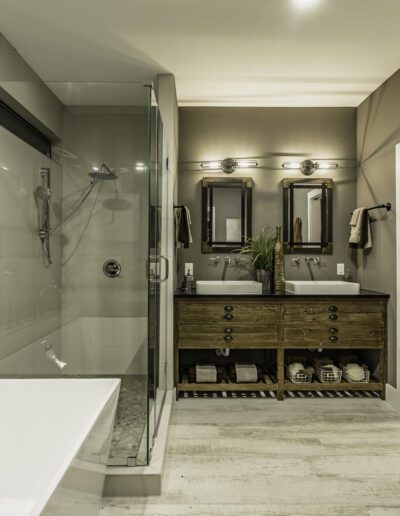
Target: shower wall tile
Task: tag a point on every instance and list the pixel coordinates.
(30, 291)
(113, 221)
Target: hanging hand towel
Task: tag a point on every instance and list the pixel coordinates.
(360, 230)
(184, 232)
(298, 224)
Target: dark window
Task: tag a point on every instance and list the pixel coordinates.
(17, 125)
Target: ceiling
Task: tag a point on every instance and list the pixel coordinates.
(222, 52)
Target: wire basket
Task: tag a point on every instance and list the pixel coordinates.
(326, 376)
(366, 378)
(298, 377)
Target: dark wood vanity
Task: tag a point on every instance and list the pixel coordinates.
(283, 324)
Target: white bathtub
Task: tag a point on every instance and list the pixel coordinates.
(54, 443)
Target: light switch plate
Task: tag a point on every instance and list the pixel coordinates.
(189, 267)
(340, 269)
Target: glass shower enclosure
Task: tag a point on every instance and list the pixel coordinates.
(93, 309)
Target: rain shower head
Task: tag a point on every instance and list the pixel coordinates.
(104, 174)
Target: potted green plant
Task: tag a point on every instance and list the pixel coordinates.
(261, 250)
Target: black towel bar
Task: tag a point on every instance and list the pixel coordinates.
(387, 205)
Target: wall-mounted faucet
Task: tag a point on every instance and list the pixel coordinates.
(227, 261)
(214, 261)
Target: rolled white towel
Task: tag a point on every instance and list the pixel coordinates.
(355, 372)
(294, 368)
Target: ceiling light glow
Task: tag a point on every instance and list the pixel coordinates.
(305, 3)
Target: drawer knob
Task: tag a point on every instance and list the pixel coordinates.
(308, 310)
(333, 308)
(228, 308)
(332, 331)
(228, 338)
(333, 317)
(228, 317)
(333, 338)
(228, 331)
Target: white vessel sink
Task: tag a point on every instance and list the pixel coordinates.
(322, 287)
(228, 287)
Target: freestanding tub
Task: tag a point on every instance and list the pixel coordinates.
(54, 443)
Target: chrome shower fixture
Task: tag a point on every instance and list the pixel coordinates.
(43, 196)
(308, 166)
(102, 173)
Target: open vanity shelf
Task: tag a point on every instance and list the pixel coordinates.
(280, 325)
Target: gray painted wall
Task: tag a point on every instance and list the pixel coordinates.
(273, 135)
(23, 89)
(378, 131)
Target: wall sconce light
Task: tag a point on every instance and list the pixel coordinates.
(308, 167)
(229, 165)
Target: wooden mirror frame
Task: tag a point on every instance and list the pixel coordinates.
(326, 244)
(208, 185)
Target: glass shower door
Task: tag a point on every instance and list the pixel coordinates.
(158, 274)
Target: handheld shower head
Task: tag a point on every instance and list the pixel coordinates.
(43, 193)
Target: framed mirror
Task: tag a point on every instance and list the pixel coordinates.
(307, 215)
(226, 213)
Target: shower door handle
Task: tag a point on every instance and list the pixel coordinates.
(166, 267)
(155, 279)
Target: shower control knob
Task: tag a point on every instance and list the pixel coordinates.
(112, 268)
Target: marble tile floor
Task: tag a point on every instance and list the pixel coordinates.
(130, 418)
(311, 457)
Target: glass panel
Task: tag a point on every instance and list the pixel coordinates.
(158, 274)
(86, 312)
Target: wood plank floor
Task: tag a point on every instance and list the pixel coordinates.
(254, 457)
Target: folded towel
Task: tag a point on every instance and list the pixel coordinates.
(360, 230)
(206, 373)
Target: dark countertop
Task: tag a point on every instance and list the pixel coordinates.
(363, 293)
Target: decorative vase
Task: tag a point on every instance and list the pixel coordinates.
(279, 272)
(265, 277)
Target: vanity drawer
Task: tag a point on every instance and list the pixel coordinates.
(227, 336)
(228, 312)
(353, 335)
(333, 312)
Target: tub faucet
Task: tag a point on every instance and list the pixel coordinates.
(52, 356)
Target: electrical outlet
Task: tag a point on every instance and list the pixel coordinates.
(189, 267)
(340, 269)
